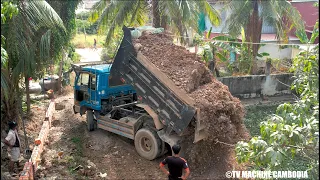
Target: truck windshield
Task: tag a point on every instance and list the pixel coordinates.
(83, 79)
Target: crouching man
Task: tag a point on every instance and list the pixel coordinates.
(13, 142)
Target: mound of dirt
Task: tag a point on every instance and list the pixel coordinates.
(221, 113)
(184, 68)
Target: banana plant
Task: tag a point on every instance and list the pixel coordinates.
(304, 38)
(224, 45)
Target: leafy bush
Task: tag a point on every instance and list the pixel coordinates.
(290, 138)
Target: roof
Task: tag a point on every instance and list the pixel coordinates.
(102, 68)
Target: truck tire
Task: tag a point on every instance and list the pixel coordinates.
(90, 120)
(147, 143)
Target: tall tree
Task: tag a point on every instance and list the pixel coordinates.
(180, 14)
(251, 14)
(60, 42)
(28, 45)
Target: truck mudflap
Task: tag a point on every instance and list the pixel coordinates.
(79, 109)
(170, 138)
(199, 133)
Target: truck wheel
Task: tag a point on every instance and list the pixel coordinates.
(147, 144)
(90, 120)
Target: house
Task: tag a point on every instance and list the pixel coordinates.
(86, 5)
(308, 12)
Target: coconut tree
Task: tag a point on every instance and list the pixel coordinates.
(251, 14)
(28, 37)
(180, 14)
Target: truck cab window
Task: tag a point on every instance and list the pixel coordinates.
(92, 81)
(83, 79)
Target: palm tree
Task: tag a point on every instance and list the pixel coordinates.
(28, 43)
(251, 14)
(180, 14)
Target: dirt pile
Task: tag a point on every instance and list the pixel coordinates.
(184, 68)
(221, 113)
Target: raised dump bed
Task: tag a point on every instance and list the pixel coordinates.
(175, 109)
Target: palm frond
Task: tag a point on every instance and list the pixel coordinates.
(239, 16)
(97, 10)
(40, 14)
(120, 18)
(213, 14)
(4, 81)
(45, 45)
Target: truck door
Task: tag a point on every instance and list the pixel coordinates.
(85, 91)
(93, 90)
(83, 88)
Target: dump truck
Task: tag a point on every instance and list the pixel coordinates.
(131, 97)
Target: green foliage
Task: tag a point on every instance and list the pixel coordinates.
(112, 15)
(85, 26)
(271, 12)
(198, 40)
(257, 114)
(66, 11)
(207, 54)
(86, 41)
(243, 63)
(301, 34)
(27, 43)
(291, 135)
(8, 10)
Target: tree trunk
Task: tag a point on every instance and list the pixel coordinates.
(155, 13)
(253, 34)
(26, 80)
(164, 22)
(60, 71)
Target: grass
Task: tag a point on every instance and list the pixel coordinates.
(82, 41)
(255, 115)
(76, 159)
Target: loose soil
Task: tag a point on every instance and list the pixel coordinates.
(221, 113)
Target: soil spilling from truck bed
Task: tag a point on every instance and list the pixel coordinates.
(221, 113)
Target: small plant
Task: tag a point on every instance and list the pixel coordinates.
(198, 40)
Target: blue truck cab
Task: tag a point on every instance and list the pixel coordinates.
(95, 89)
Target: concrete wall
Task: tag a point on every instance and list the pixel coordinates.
(254, 85)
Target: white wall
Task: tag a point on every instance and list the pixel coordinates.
(275, 52)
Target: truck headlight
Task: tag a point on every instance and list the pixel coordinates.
(102, 92)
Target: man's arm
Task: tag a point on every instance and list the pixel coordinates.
(164, 169)
(186, 169)
(162, 164)
(7, 143)
(186, 174)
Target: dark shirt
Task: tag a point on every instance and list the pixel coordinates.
(17, 143)
(175, 166)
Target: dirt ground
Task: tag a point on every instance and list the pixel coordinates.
(108, 155)
(96, 152)
(75, 153)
